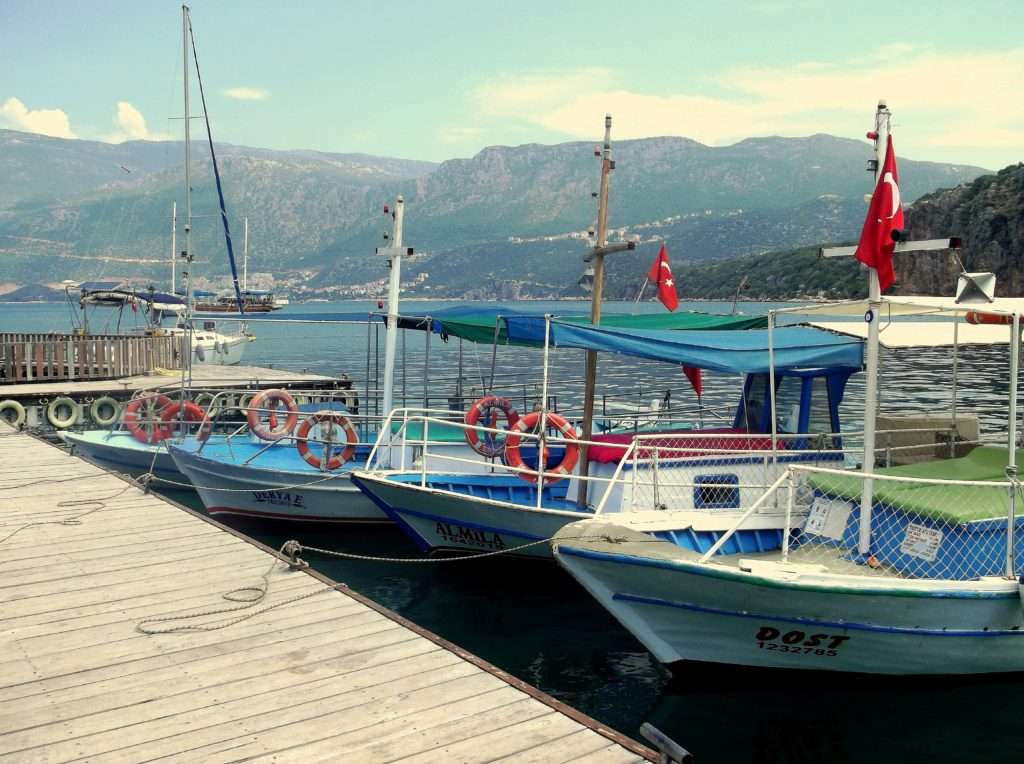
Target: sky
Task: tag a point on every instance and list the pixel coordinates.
(438, 80)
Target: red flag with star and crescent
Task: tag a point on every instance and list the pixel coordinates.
(661, 276)
(885, 214)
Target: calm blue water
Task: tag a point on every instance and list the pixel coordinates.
(533, 621)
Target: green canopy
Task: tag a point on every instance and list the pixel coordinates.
(478, 325)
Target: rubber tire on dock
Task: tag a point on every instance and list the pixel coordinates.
(95, 411)
(53, 415)
(19, 412)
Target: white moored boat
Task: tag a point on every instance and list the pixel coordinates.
(907, 569)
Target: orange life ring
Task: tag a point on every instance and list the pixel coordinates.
(572, 450)
(980, 317)
(137, 426)
(490, 446)
(330, 418)
(193, 413)
(269, 399)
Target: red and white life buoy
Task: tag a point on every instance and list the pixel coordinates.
(270, 400)
(487, 443)
(572, 450)
(329, 420)
(172, 414)
(146, 428)
(980, 317)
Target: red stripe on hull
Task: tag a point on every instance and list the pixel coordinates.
(302, 518)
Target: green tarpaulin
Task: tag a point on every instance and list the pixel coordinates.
(479, 327)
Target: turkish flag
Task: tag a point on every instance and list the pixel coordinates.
(693, 374)
(885, 214)
(661, 275)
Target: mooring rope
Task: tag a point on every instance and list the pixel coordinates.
(99, 502)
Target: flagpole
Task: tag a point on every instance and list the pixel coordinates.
(882, 116)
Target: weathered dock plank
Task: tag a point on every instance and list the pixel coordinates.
(202, 376)
(322, 675)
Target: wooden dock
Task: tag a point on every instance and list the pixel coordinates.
(203, 376)
(331, 677)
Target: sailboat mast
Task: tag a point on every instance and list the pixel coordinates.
(187, 253)
(245, 257)
(174, 245)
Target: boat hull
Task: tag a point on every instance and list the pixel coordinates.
(441, 522)
(287, 490)
(682, 610)
(121, 452)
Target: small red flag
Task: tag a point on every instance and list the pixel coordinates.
(661, 276)
(693, 374)
(885, 214)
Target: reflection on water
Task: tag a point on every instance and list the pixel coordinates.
(533, 621)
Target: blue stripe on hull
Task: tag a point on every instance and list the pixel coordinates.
(845, 625)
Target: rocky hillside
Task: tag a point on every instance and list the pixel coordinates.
(79, 209)
(988, 214)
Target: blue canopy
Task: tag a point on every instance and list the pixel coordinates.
(745, 352)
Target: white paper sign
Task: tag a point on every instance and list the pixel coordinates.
(828, 517)
(921, 542)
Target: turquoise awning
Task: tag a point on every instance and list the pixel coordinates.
(794, 347)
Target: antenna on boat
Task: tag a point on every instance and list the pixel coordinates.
(394, 254)
(596, 256)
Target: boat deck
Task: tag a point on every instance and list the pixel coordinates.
(326, 675)
(203, 376)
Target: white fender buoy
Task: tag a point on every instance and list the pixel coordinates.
(62, 412)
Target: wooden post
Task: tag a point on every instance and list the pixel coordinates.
(601, 249)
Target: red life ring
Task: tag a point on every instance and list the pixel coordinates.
(979, 317)
(330, 418)
(137, 426)
(269, 399)
(490, 446)
(572, 450)
(193, 413)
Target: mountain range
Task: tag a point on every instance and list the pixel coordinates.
(509, 221)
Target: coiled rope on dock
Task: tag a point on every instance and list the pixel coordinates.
(98, 503)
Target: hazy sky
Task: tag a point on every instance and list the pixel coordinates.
(435, 80)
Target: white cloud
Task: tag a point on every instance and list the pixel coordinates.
(132, 126)
(459, 134)
(247, 94)
(954, 104)
(53, 122)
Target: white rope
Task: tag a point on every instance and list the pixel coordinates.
(100, 503)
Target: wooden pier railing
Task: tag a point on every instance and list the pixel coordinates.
(51, 357)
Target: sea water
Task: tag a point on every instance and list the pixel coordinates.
(532, 620)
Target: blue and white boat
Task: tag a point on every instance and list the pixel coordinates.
(241, 475)
(910, 569)
(707, 473)
(120, 451)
